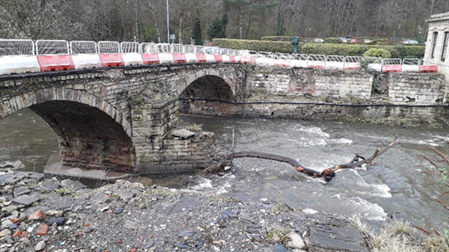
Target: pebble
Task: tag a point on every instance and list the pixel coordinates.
(58, 220)
(5, 233)
(119, 210)
(38, 215)
(40, 246)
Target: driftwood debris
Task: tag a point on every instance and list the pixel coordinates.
(328, 174)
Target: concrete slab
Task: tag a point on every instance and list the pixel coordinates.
(54, 167)
(183, 133)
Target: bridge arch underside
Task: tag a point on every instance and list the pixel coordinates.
(88, 137)
(203, 90)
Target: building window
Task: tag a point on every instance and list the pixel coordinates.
(446, 41)
(434, 44)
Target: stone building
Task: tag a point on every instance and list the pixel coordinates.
(437, 52)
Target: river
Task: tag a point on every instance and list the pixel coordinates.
(399, 183)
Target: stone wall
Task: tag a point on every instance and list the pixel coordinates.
(313, 94)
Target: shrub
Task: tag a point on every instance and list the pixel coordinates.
(254, 45)
(397, 51)
(276, 38)
(377, 52)
(333, 41)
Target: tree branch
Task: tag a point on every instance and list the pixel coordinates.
(328, 174)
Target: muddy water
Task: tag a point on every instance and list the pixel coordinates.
(399, 183)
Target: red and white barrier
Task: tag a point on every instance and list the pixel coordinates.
(352, 66)
(150, 58)
(55, 62)
(391, 68)
(247, 60)
(428, 69)
(201, 58)
(316, 61)
(316, 64)
(19, 64)
(218, 58)
(86, 61)
(352, 63)
(282, 62)
(179, 58)
(111, 60)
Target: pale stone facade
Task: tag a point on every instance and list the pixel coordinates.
(437, 45)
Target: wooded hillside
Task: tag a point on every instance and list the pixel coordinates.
(146, 20)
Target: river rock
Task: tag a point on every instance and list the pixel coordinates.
(5, 233)
(296, 241)
(12, 164)
(40, 246)
(26, 200)
(72, 185)
(340, 237)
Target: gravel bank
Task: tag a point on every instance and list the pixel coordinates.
(40, 213)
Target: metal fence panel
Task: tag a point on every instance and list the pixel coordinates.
(108, 47)
(148, 48)
(130, 47)
(16, 47)
(52, 47)
(83, 47)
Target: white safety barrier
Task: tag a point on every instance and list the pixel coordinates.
(132, 59)
(210, 58)
(300, 60)
(410, 65)
(85, 61)
(19, 64)
(335, 62)
(191, 58)
(374, 63)
(165, 58)
(265, 61)
(57, 55)
(225, 58)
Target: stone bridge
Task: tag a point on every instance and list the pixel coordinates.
(121, 119)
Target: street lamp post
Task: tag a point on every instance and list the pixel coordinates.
(168, 24)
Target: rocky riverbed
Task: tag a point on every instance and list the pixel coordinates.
(42, 213)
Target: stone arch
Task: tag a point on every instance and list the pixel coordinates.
(225, 76)
(92, 133)
(208, 87)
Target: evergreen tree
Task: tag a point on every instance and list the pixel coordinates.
(196, 33)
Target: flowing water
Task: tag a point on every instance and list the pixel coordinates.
(399, 183)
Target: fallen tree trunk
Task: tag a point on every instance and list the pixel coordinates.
(328, 174)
